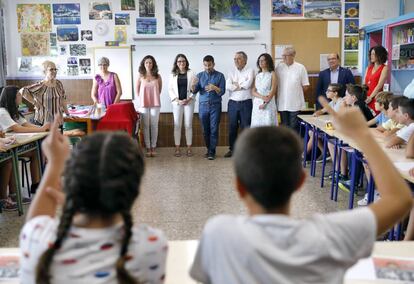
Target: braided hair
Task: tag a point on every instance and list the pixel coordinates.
(102, 178)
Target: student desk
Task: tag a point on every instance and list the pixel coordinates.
(90, 120)
(25, 142)
(395, 155)
(181, 255)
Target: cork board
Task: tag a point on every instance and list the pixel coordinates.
(310, 39)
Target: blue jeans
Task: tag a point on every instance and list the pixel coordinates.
(210, 118)
(240, 115)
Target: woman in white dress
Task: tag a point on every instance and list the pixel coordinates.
(264, 112)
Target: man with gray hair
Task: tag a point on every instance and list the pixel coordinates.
(239, 109)
(293, 82)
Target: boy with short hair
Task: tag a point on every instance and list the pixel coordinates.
(382, 101)
(270, 247)
(405, 116)
(391, 125)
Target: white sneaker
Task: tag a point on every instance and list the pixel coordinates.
(364, 201)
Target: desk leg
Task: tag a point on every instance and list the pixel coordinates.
(325, 145)
(17, 181)
(89, 127)
(353, 177)
(333, 178)
(305, 142)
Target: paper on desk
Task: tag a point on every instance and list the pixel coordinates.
(404, 166)
(362, 270)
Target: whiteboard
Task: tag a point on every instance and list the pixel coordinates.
(120, 62)
(223, 57)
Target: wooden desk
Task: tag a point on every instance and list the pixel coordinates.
(395, 155)
(91, 121)
(25, 142)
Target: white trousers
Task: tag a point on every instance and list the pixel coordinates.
(150, 118)
(187, 111)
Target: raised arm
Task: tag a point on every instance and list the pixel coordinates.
(118, 89)
(396, 200)
(56, 149)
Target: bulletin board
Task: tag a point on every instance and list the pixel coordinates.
(310, 38)
(120, 62)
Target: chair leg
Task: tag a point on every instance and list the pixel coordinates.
(325, 144)
(333, 178)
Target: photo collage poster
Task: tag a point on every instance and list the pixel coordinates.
(351, 33)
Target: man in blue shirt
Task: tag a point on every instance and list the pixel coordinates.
(211, 85)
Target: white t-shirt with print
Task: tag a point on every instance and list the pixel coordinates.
(279, 249)
(89, 255)
(6, 121)
(406, 132)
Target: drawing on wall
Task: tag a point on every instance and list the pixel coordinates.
(25, 64)
(146, 26)
(122, 19)
(67, 33)
(181, 17)
(66, 14)
(63, 48)
(128, 5)
(351, 10)
(287, 8)
(227, 16)
(85, 66)
(34, 18)
(35, 44)
(351, 58)
(53, 40)
(146, 8)
(351, 42)
(77, 49)
(323, 9)
(86, 35)
(351, 26)
(100, 10)
(120, 34)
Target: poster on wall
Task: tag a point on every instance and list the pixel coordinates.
(323, 9)
(351, 58)
(146, 8)
(128, 5)
(351, 42)
(85, 66)
(351, 26)
(67, 33)
(24, 64)
(66, 14)
(122, 19)
(100, 10)
(77, 49)
(226, 16)
(35, 44)
(62, 49)
(146, 26)
(181, 17)
(351, 10)
(53, 39)
(72, 66)
(34, 18)
(283, 8)
(120, 35)
(86, 35)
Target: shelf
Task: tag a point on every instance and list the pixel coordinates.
(405, 44)
(407, 69)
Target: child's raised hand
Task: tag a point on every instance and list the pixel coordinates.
(56, 146)
(349, 121)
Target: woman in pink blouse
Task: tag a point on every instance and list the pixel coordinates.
(149, 87)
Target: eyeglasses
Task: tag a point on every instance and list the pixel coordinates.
(102, 64)
(53, 69)
(329, 90)
(181, 61)
(286, 55)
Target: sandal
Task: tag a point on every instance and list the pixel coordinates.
(25, 200)
(8, 205)
(153, 153)
(189, 153)
(148, 154)
(177, 153)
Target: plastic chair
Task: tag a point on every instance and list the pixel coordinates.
(121, 116)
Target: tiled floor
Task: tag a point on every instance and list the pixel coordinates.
(180, 194)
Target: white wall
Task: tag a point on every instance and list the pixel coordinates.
(373, 11)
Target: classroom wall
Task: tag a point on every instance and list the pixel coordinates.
(373, 11)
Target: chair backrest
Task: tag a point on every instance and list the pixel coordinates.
(120, 116)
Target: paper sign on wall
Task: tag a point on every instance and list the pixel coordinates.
(333, 29)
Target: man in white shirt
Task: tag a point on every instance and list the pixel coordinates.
(239, 109)
(268, 246)
(293, 81)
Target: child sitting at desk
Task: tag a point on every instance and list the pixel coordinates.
(6, 203)
(391, 125)
(94, 240)
(382, 101)
(269, 246)
(405, 116)
(12, 120)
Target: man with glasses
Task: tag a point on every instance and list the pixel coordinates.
(239, 110)
(335, 74)
(293, 82)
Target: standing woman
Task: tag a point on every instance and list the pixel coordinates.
(106, 88)
(47, 96)
(264, 112)
(183, 101)
(376, 74)
(149, 87)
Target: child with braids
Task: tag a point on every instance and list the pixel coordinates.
(94, 241)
